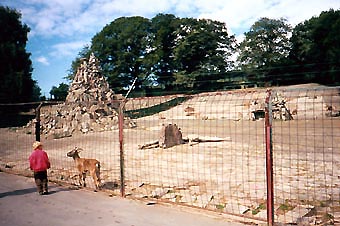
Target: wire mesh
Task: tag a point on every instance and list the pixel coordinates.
(223, 170)
(306, 154)
(221, 163)
(16, 147)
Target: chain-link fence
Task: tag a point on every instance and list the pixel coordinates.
(261, 155)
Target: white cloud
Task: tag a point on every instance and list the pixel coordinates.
(67, 48)
(240, 15)
(77, 17)
(43, 60)
(73, 23)
(299, 11)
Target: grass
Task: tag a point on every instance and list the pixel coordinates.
(258, 209)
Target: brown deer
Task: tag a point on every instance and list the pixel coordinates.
(84, 166)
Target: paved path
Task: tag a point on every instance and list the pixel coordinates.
(20, 205)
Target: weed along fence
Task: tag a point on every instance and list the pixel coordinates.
(260, 155)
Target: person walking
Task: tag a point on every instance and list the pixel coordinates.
(39, 163)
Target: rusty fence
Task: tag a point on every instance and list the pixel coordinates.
(259, 155)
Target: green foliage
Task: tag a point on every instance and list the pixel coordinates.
(316, 48)
(258, 209)
(36, 92)
(15, 67)
(172, 54)
(202, 52)
(60, 92)
(165, 52)
(163, 42)
(121, 48)
(156, 108)
(285, 207)
(220, 206)
(265, 46)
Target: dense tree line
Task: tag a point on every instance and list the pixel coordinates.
(16, 83)
(315, 51)
(169, 54)
(274, 53)
(165, 53)
(172, 54)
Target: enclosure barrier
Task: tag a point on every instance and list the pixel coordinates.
(262, 155)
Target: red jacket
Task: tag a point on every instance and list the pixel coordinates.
(39, 161)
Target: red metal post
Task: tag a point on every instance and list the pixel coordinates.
(269, 159)
(121, 147)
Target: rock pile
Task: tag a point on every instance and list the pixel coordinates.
(89, 85)
(280, 110)
(90, 105)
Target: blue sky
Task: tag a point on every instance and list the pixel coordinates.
(61, 28)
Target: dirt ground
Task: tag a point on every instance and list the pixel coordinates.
(228, 176)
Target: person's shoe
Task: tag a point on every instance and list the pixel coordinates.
(45, 193)
(40, 193)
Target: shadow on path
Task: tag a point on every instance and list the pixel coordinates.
(30, 190)
(18, 192)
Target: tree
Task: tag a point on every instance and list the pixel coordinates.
(316, 48)
(36, 92)
(60, 92)
(16, 84)
(163, 42)
(202, 53)
(165, 52)
(121, 48)
(265, 47)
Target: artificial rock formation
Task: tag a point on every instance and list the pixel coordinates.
(89, 85)
(90, 105)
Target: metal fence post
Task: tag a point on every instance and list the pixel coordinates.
(121, 147)
(37, 122)
(269, 158)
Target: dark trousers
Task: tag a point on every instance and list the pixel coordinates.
(41, 181)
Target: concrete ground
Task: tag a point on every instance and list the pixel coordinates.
(20, 205)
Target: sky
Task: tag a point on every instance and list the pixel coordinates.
(61, 28)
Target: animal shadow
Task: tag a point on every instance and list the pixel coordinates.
(110, 185)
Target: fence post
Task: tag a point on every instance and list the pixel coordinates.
(269, 158)
(37, 122)
(121, 147)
